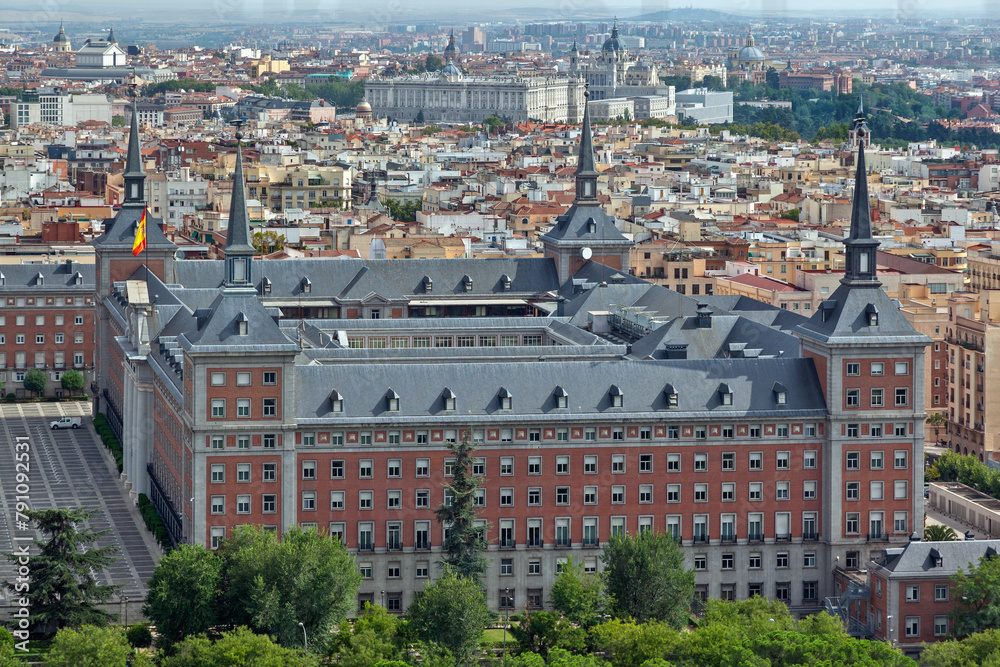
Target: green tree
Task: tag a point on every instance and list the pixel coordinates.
(72, 381)
(541, 631)
(118, 121)
(273, 586)
(430, 130)
(7, 657)
(678, 82)
(92, 646)
(578, 596)
(239, 648)
(629, 643)
(183, 593)
(464, 543)
(493, 124)
(646, 580)
(403, 211)
(35, 381)
(433, 63)
(267, 241)
(369, 640)
(64, 591)
(791, 214)
(771, 78)
(451, 611)
(939, 533)
(977, 597)
(713, 82)
(979, 650)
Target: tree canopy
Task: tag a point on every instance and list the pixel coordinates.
(464, 543)
(646, 579)
(578, 596)
(183, 592)
(64, 589)
(977, 597)
(451, 611)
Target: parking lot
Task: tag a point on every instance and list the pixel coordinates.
(71, 469)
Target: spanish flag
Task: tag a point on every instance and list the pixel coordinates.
(140, 235)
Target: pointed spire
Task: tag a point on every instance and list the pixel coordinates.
(861, 106)
(860, 248)
(111, 37)
(238, 234)
(134, 176)
(586, 171)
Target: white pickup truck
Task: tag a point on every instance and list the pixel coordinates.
(66, 422)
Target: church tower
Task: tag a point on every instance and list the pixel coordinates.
(586, 232)
(858, 135)
(870, 363)
(114, 261)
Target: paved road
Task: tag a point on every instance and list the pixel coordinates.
(70, 469)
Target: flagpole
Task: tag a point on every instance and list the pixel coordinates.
(145, 247)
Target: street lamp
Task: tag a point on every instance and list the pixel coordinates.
(382, 598)
(126, 613)
(506, 609)
(305, 637)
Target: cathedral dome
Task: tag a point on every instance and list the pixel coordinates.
(450, 51)
(60, 38)
(613, 43)
(751, 54)
(451, 70)
(363, 106)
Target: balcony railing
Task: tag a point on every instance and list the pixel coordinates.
(782, 537)
(366, 546)
(875, 536)
(728, 538)
(702, 538)
(591, 542)
(810, 537)
(536, 542)
(508, 544)
(755, 537)
(563, 543)
(395, 545)
(422, 545)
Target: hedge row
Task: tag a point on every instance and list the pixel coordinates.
(109, 439)
(153, 521)
(12, 398)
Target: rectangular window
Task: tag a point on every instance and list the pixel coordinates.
(701, 462)
(646, 493)
(853, 368)
(782, 460)
(534, 465)
(617, 463)
(899, 489)
(562, 465)
(902, 368)
(269, 504)
(781, 491)
(270, 407)
(618, 495)
(876, 460)
(875, 490)
(337, 469)
(270, 440)
(852, 524)
(701, 493)
(308, 470)
(853, 461)
(534, 496)
(218, 504)
(728, 492)
(269, 472)
(562, 495)
(365, 469)
(853, 398)
(912, 626)
(756, 460)
(853, 491)
(645, 463)
(809, 490)
(423, 468)
(506, 465)
(673, 493)
(876, 398)
(308, 501)
(756, 490)
(940, 626)
(900, 459)
(365, 500)
(940, 592)
(336, 500)
(423, 498)
(878, 368)
(590, 495)
(673, 462)
(218, 473)
(218, 408)
(902, 396)
(809, 460)
(729, 460)
(590, 464)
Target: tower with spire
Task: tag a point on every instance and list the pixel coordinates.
(60, 43)
(238, 249)
(586, 232)
(870, 362)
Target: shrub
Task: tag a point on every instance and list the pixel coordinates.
(139, 636)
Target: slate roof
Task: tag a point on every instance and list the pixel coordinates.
(119, 231)
(846, 320)
(729, 336)
(916, 557)
(532, 385)
(573, 226)
(16, 277)
(216, 326)
(392, 279)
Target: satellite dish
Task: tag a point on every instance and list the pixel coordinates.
(586, 253)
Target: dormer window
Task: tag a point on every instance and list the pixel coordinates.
(591, 225)
(336, 401)
(506, 399)
(266, 285)
(78, 278)
(467, 281)
(617, 397)
(871, 312)
(39, 279)
(306, 286)
(3, 279)
(392, 401)
(449, 399)
(242, 324)
(725, 394)
(428, 284)
(670, 395)
(505, 281)
(562, 398)
(780, 394)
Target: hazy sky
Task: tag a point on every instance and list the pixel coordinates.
(210, 12)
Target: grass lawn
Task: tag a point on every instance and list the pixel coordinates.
(494, 635)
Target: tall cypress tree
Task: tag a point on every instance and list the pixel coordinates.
(63, 589)
(464, 544)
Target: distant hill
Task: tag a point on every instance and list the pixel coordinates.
(689, 14)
